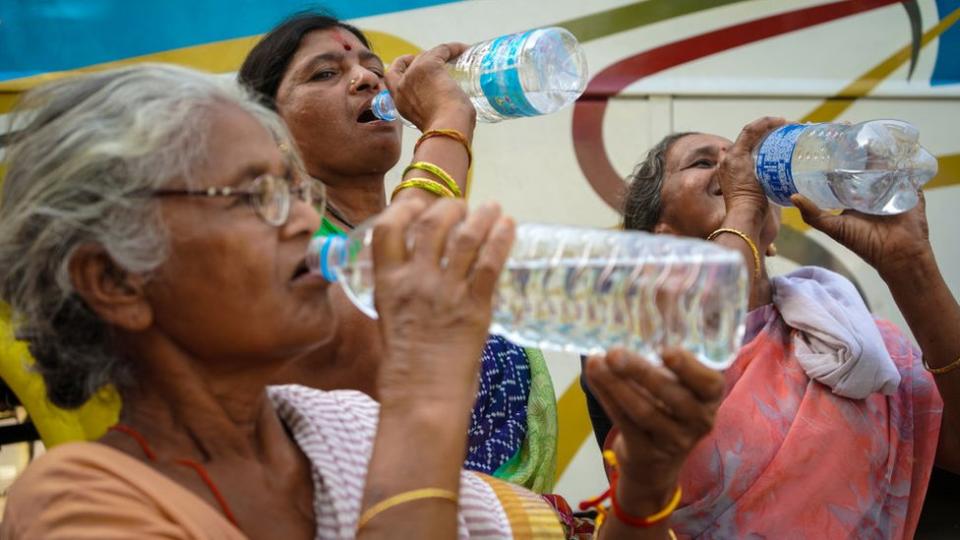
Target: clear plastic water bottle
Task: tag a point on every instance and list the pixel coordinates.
(874, 167)
(527, 74)
(586, 290)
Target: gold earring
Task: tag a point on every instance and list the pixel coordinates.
(772, 250)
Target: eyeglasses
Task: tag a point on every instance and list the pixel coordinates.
(271, 196)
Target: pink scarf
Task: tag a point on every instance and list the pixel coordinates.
(790, 459)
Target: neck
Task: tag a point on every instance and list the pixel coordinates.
(761, 292)
(183, 410)
(356, 198)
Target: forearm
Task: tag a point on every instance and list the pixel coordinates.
(415, 448)
(444, 152)
(931, 311)
(933, 315)
(749, 222)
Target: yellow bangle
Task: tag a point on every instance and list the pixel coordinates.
(436, 171)
(940, 370)
(450, 134)
(405, 497)
(753, 247)
(427, 184)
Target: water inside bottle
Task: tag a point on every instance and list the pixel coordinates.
(593, 306)
(533, 73)
(589, 290)
(876, 167)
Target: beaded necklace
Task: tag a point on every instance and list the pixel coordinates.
(189, 463)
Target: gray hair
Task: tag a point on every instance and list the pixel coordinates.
(86, 150)
(642, 203)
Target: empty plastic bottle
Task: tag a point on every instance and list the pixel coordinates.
(527, 74)
(587, 290)
(875, 167)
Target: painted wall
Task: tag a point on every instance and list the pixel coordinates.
(656, 67)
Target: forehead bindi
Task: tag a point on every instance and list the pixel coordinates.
(343, 38)
(333, 41)
(695, 146)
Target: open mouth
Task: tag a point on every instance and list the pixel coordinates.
(301, 270)
(366, 117)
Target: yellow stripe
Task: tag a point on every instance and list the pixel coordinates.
(220, 57)
(949, 173)
(8, 100)
(833, 107)
(529, 515)
(574, 425)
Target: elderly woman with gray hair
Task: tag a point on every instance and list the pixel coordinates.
(153, 226)
(829, 424)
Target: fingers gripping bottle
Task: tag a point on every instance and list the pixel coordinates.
(875, 167)
(527, 74)
(587, 290)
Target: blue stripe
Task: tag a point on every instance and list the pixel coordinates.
(947, 68)
(38, 36)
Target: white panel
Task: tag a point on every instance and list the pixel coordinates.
(628, 130)
(471, 22)
(727, 116)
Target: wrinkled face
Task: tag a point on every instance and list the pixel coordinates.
(692, 202)
(232, 291)
(328, 114)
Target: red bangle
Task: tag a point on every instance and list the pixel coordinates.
(618, 511)
(647, 521)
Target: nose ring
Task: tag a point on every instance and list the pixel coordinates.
(352, 81)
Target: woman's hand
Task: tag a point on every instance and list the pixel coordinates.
(661, 413)
(887, 243)
(737, 171)
(435, 275)
(426, 94)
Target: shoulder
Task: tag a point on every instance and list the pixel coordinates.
(898, 343)
(904, 353)
(916, 381)
(78, 489)
(70, 460)
(902, 350)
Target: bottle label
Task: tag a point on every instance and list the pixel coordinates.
(500, 79)
(774, 163)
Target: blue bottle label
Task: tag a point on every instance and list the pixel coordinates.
(774, 163)
(500, 79)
